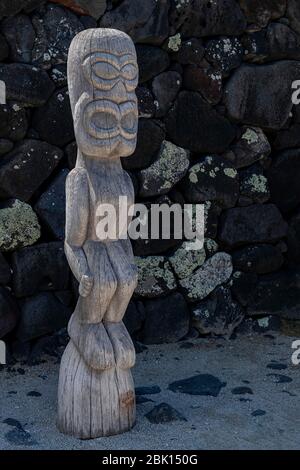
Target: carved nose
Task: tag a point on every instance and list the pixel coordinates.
(120, 92)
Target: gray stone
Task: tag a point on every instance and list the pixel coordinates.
(95, 8)
(165, 88)
(218, 315)
(253, 224)
(225, 53)
(41, 267)
(212, 212)
(9, 312)
(20, 35)
(285, 191)
(55, 28)
(146, 23)
(277, 294)
(293, 239)
(186, 52)
(215, 271)
(13, 121)
(260, 12)
(276, 42)
(260, 259)
(254, 185)
(166, 321)
(149, 139)
(184, 260)
(5, 271)
(146, 106)
(26, 84)
(19, 225)
(20, 437)
(5, 146)
(256, 413)
(202, 384)
(162, 242)
(212, 179)
(164, 413)
(261, 95)
(53, 121)
(150, 390)
(4, 48)
(288, 138)
(252, 326)
(195, 125)
(205, 79)
(12, 7)
(243, 285)
(280, 378)
(26, 167)
(58, 75)
(170, 166)
(40, 315)
(155, 277)
(51, 206)
(134, 317)
(252, 146)
(293, 14)
(151, 61)
(206, 18)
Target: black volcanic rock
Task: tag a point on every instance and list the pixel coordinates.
(193, 124)
(26, 167)
(252, 224)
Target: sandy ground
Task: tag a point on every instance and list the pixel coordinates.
(228, 421)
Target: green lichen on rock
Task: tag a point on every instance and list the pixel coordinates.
(174, 42)
(213, 178)
(255, 184)
(214, 272)
(263, 322)
(184, 260)
(170, 166)
(155, 276)
(19, 225)
(250, 136)
(230, 172)
(211, 246)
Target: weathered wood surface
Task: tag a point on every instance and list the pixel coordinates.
(96, 392)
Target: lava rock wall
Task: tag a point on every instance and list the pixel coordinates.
(217, 126)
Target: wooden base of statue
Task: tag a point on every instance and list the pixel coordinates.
(93, 403)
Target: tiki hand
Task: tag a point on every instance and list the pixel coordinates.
(85, 285)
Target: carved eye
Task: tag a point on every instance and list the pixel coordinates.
(105, 70)
(129, 121)
(129, 71)
(104, 120)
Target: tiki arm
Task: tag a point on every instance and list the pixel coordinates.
(77, 214)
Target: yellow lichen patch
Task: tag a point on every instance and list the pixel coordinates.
(174, 42)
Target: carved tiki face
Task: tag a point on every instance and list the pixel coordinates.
(102, 77)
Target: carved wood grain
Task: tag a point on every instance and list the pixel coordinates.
(96, 391)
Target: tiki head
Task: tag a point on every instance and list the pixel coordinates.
(102, 76)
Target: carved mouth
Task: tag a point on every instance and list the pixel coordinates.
(104, 119)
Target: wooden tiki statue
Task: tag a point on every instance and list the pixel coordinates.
(96, 391)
